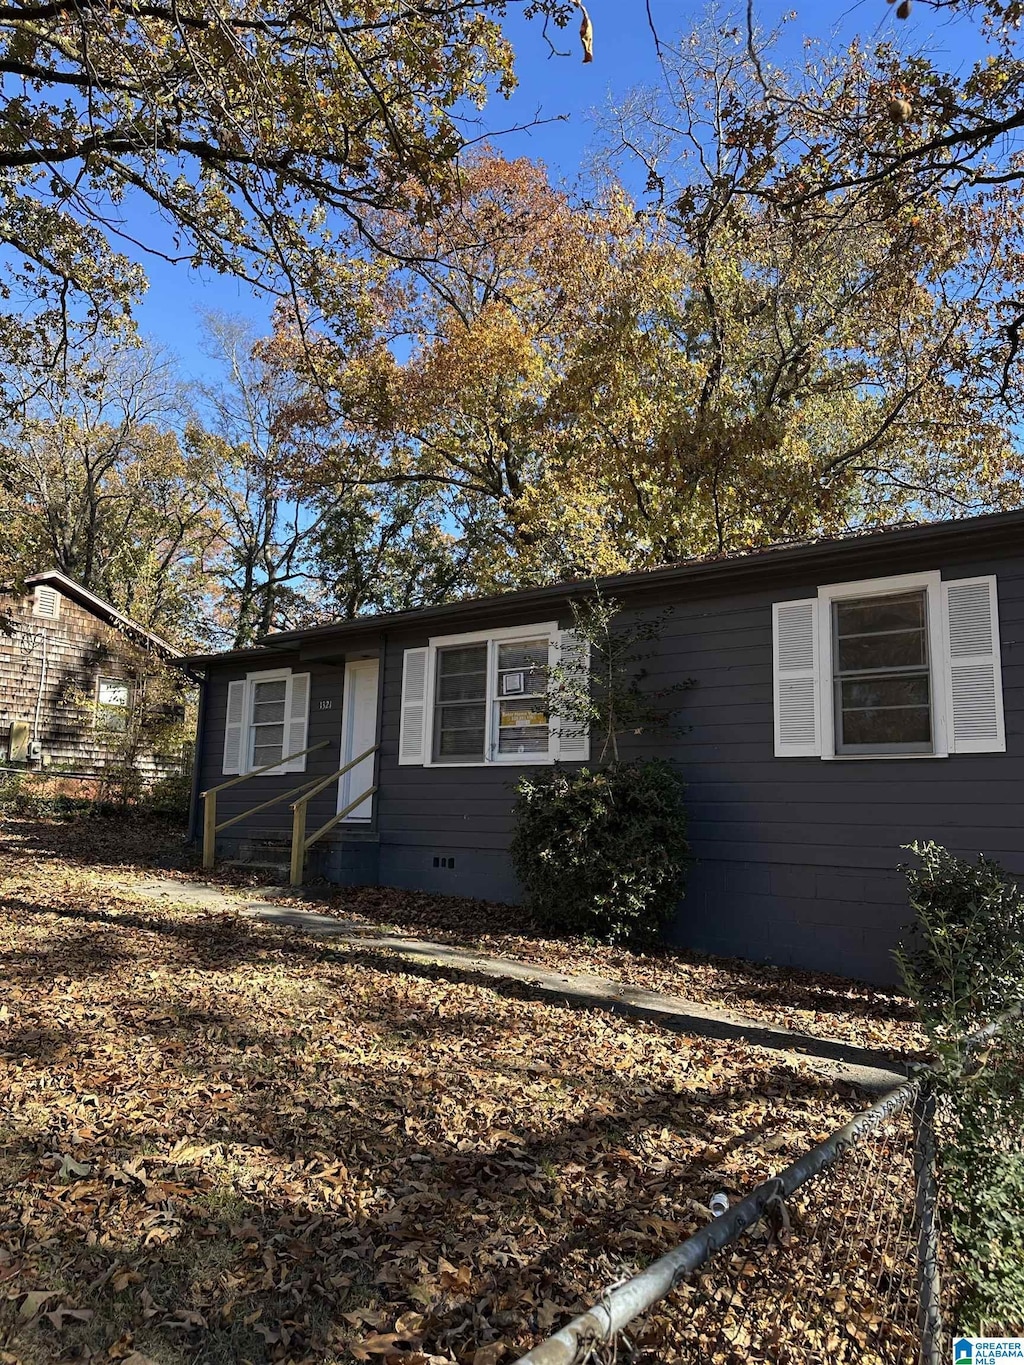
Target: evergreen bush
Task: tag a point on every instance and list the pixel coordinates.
(602, 853)
(964, 968)
(965, 964)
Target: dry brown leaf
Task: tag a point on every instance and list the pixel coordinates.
(586, 34)
(33, 1302)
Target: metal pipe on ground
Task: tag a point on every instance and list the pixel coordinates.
(620, 1306)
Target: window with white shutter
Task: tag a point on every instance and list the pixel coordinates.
(889, 668)
(795, 671)
(297, 724)
(234, 727)
(572, 738)
(481, 698)
(413, 725)
(974, 680)
(267, 720)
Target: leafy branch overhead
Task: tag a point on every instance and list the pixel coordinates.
(264, 134)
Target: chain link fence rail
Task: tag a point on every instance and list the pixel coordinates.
(817, 1264)
(838, 1260)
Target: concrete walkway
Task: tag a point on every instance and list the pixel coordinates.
(839, 1061)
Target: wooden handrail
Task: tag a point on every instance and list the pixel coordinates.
(264, 805)
(300, 842)
(209, 798)
(312, 838)
(244, 777)
(332, 777)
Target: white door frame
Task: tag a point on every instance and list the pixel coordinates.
(358, 732)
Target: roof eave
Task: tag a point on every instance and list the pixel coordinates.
(107, 611)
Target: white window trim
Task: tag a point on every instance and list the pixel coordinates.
(246, 764)
(489, 759)
(101, 707)
(937, 660)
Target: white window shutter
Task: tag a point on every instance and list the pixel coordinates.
(571, 740)
(795, 657)
(234, 727)
(298, 723)
(412, 735)
(974, 688)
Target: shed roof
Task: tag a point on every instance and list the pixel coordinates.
(105, 611)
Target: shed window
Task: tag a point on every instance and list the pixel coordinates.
(882, 675)
(113, 702)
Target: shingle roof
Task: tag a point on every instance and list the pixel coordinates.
(105, 610)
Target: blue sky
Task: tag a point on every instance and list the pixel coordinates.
(624, 57)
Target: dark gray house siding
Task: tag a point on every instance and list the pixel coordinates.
(797, 858)
(270, 827)
(460, 813)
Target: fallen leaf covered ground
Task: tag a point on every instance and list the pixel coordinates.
(809, 1002)
(225, 1142)
(815, 1003)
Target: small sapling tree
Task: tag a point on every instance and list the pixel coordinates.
(602, 850)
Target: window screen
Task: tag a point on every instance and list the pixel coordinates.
(521, 719)
(460, 703)
(267, 726)
(881, 674)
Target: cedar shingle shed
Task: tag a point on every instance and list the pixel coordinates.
(73, 669)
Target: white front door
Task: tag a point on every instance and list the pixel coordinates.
(358, 732)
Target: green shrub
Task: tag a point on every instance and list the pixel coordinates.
(602, 853)
(965, 968)
(966, 963)
(11, 785)
(171, 796)
(981, 1178)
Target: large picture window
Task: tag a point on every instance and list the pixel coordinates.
(881, 674)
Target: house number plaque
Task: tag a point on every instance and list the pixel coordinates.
(324, 704)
